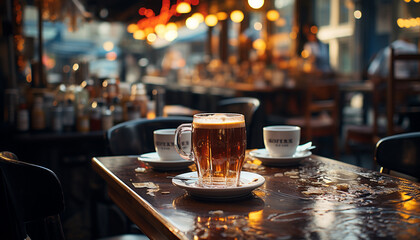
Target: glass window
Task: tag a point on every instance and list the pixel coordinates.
(345, 64)
(344, 11)
(322, 12)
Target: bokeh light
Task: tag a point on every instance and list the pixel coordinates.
(191, 23)
(183, 7)
(256, 4)
(211, 20)
(272, 15)
(237, 16)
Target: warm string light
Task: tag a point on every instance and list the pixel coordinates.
(153, 26)
(408, 23)
(191, 23)
(211, 20)
(183, 7)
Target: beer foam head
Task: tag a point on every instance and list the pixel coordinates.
(219, 120)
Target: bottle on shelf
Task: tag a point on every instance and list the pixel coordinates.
(83, 118)
(57, 117)
(69, 116)
(133, 111)
(117, 111)
(110, 89)
(107, 119)
(22, 116)
(82, 109)
(38, 114)
(159, 98)
(95, 121)
(48, 109)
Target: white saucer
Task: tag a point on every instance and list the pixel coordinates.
(266, 159)
(249, 181)
(153, 160)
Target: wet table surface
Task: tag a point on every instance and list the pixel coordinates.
(318, 199)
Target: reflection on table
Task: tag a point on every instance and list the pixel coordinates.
(320, 198)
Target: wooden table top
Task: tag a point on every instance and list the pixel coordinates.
(318, 199)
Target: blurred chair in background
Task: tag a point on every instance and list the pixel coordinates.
(136, 137)
(395, 99)
(319, 115)
(249, 107)
(403, 92)
(400, 153)
(361, 138)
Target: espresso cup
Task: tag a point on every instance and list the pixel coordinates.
(164, 143)
(281, 140)
(218, 147)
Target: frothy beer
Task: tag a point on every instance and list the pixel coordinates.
(219, 143)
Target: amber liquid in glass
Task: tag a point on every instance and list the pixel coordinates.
(219, 151)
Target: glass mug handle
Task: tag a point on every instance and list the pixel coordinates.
(186, 127)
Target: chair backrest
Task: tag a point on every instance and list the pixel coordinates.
(400, 152)
(321, 97)
(136, 136)
(401, 85)
(31, 199)
(247, 106)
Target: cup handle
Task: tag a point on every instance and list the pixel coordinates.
(177, 141)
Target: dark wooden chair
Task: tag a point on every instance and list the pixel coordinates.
(400, 153)
(361, 138)
(390, 101)
(319, 115)
(31, 200)
(136, 137)
(249, 107)
(403, 90)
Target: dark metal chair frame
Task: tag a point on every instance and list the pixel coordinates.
(400, 152)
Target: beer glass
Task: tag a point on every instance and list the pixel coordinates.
(218, 147)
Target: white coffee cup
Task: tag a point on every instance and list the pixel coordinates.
(164, 143)
(281, 140)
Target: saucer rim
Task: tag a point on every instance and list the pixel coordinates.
(157, 159)
(170, 165)
(219, 193)
(253, 153)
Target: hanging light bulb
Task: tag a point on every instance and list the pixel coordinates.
(198, 16)
(191, 23)
(183, 7)
(256, 4)
(211, 20)
(237, 16)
